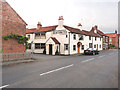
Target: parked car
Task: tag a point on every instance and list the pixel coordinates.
(91, 51)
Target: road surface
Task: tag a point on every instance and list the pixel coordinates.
(77, 71)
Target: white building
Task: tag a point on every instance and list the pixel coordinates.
(61, 39)
(119, 40)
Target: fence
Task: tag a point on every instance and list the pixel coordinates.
(16, 56)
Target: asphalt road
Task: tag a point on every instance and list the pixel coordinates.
(98, 71)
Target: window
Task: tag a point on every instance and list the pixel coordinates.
(81, 38)
(66, 36)
(89, 37)
(110, 40)
(94, 46)
(65, 46)
(100, 46)
(29, 46)
(74, 47)
(40, 36)
(90, 45)
(74, 36)
(82, 47)
(95, 38)
(39, 45)
(37, 35)
(29, 36)
(106, 39)
(42, 45)
(103, 39)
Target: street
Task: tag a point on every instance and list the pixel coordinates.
(76, 71)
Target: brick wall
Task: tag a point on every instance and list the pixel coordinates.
(12, 23)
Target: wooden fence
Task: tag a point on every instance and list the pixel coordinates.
(16, 56)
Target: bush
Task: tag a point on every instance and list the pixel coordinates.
(111, 45)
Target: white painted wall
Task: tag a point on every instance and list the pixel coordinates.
(119, 41)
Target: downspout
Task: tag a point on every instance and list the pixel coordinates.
(92, 42)
(69, 43)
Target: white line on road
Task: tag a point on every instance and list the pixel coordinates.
(88, 60)
(4, 86)
(101, 56)
(56, 69)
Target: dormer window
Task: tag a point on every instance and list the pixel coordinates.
(95, 31)
(40, 36)
(81, 38)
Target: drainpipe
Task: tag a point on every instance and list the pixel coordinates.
(69, 43)
(92, 42)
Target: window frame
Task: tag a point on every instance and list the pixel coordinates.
(66, 47)
(94, 45)
(82, 47)
(74, 47)
(95, 38)
(40, 46)
(40, 36)
(74, 36)
(90, 37)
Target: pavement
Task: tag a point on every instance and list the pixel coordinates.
(84, 71)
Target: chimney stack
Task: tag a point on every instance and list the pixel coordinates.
(80, 26)
(39, 25)
(60, 23)
(115, 31)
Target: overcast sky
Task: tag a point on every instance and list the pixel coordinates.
(103, 13)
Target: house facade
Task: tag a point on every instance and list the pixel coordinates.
(12, 23)
(61, 39)
(105, 41)
(113, 39)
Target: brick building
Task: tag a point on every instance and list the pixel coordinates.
(12, 23)
(113, 39)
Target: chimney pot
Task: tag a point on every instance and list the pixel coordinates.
(39, 25)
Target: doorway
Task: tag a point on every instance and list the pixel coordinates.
(50, 49)
(97, 46)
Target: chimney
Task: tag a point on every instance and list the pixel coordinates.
(80, 26)
(60, 22)
(95, 28)
(115, 31)
(39, 25)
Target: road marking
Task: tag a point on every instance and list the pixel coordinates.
(4, 86)
(56, 69)
(88, 60)
(101, 56)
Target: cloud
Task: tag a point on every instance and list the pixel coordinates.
(88, 12)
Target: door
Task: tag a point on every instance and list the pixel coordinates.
(50, 49)
(97, 46)
(78, 49)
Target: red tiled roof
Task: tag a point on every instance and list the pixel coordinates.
(55, 40)
(91, 33)
(42, 29)
(111, 34)
(74, 30)
(98, 31)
